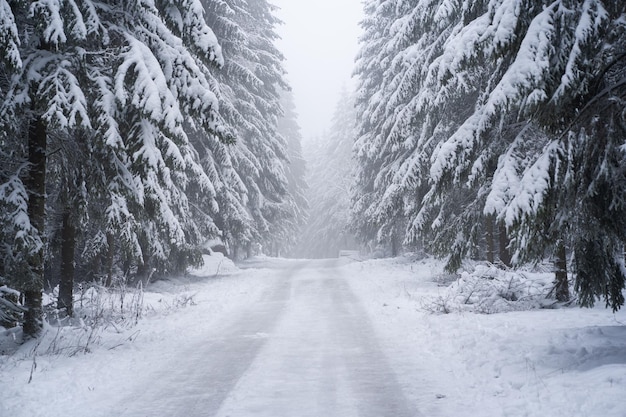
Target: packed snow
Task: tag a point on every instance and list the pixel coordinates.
(338, 337)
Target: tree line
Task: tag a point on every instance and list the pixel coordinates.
(495, 129)
(131, 134)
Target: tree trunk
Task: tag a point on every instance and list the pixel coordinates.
(109, 259)
(489, 239)
(503, 240)
(561, 285)
(143, 271)
(68, 243)
(394, 245)
(36, 187)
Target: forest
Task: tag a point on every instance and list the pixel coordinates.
(485, 130)
(134, 136)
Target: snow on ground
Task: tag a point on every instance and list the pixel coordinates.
(542, 362)
(215, 264)
(78, 383)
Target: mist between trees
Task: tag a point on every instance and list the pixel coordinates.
(132, 138)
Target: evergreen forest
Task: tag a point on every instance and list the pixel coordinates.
(136, 136)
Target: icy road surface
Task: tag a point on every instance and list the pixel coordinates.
(306, 348)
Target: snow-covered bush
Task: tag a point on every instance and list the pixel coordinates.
(488, 289)
(213, 265)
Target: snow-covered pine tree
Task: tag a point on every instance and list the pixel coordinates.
(330, 176)
(232, 184)
(500, 112)
(538, 65)
(250, 87)
(41, 93)
(67, 201)
(129, 75)
(369, 68)
(383, 87)
(162, 82)
(573, 189)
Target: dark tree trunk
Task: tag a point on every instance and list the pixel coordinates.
(36, 188)
(68, 243)
(143, 271)
(109, 259)
(490, 239)
(503, 243)
(33, 317)
(248, 250)
(394, 244)
(561, 285)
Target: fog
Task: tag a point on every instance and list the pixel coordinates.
(320, 42)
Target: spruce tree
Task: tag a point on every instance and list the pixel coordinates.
(123, 78)
(250, 86)
(376, 204)
(495, 108)
(42, 93)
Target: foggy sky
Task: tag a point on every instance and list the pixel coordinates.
(320, 42)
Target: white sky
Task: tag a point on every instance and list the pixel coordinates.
(320, 42)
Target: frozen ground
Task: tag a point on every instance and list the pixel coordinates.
(567, 362)
(326, 338)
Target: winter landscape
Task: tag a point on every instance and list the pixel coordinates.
(229, 208)
(324, 338)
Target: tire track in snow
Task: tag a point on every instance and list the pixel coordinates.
(323, 358)
(212, 367)
(305, 349)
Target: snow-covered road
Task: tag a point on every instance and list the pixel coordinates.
(306, 348)
(326, 338)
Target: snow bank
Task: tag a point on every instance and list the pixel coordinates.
(488, 289)
(541, 362)
(99, 310)
(118, 359)
(214, 264)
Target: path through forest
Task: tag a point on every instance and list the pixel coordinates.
(332, 338)
(305, 349)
